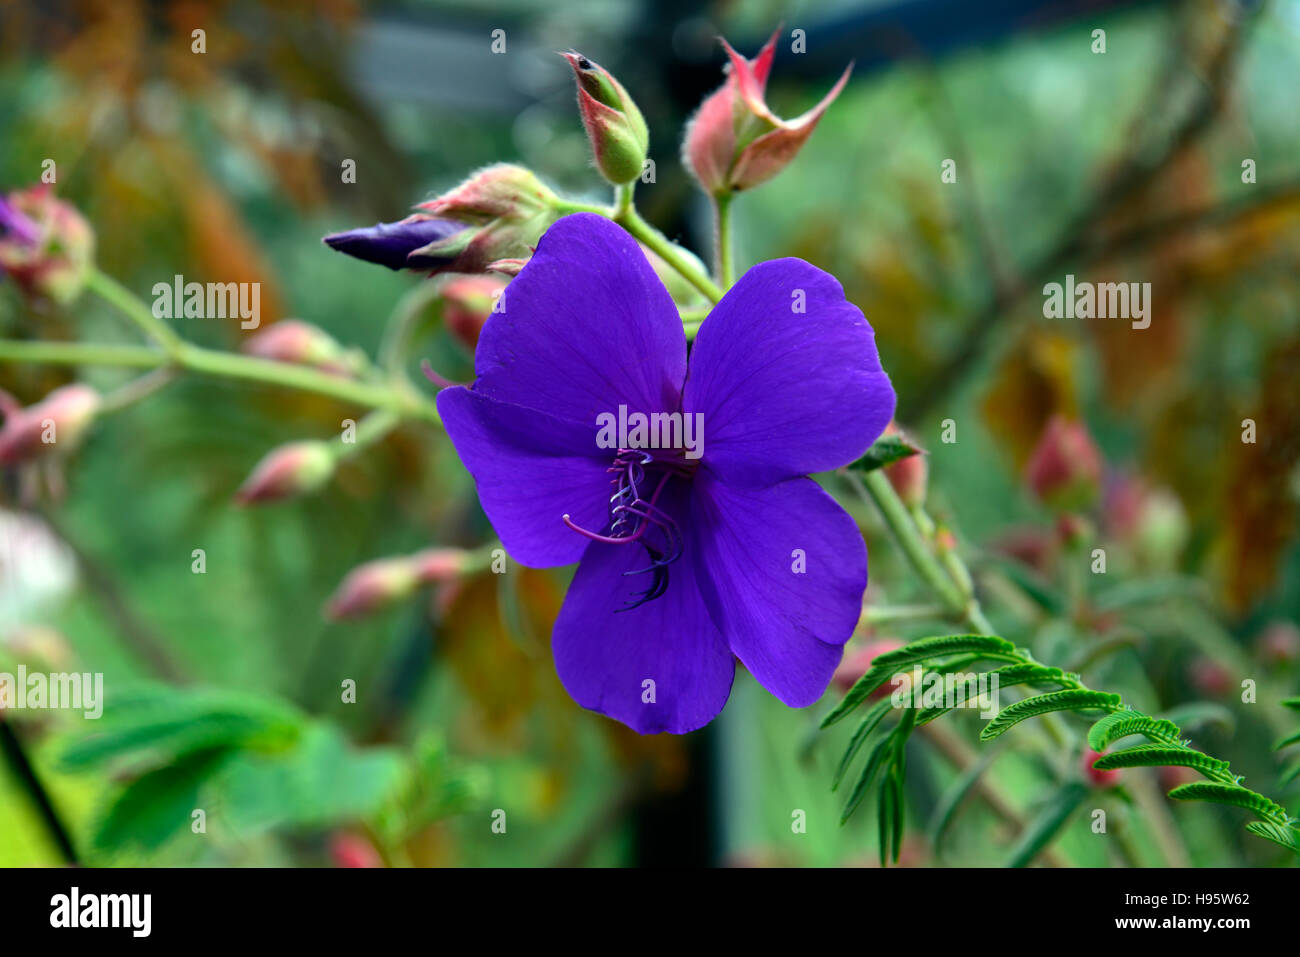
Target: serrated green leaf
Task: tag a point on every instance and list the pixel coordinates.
(156, 805)
(884, 451)
(877, 757)
(1029, 673)
(1042, 830)
(923, 649)
(1161, 755)
(864, 730)
(1231, 794)
(1121, 724)
(1287, 837)
(1070, 700)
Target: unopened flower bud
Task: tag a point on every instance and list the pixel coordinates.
(287, 471)
(399, 245)
(467, 303)
(1064, 470)
(1279, 643)
(45, 244)
(735, 142)
(908, 475)
(54, 424)
(857, 663)
(300, 343)
(508, 207)
(352, 850)
(1097, 777)
(1209, 677)
(617, 131)
(371, 586)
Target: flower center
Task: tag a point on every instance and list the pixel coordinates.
(639, 479)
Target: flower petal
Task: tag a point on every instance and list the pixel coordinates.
(782, 571)
(786, 374)
(531, 469)
(584, 327)
(604, 656)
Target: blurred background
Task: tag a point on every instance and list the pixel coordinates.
(1125, 165)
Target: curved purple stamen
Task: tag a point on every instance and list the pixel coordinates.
(631, 516)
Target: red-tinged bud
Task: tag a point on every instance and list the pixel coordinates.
(301, 343)
(735, 142)
(467, 303)
(1097, 777)
(1033, 546)
(857, 663)
(1064, 470)
(1074, 530)
(1209, 677)
(380, 582)
(45, 244)
(1279, 643)
(909, 475)
(507, 267)
(617, 131)
(53, 425)
(288, 471)
(352, 850)
(508, 209)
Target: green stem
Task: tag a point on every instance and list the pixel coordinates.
(722, 239)
(370, 430)
(131, 306)
(222, 365)
(669, 252)
(888, 614)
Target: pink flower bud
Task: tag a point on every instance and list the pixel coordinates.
(1209, 678)
(857, 663)
(377, 583)
(735, 142)
(54, 424)
(1279, 643)
(352, 850)
(1097, 777)
(909, 475)
(300, 343)
(45, 244)
(287, 471)
(617, 131)
(1064, 470)
(467, 303)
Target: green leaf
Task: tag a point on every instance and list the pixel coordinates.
(1290, 774)
(321, 781)
(1231, 794)
(878, 754)
(1196, 715)
(157, 805)
(923, 649)
(1161, 755)
(1288, 837)
(1292, 703)
(1029, 673)
(1121, 724)
(1071, 700)
(175, 722)
(864, 730)
(952, 800)
(1042, 830)
(884, 451)
(1287, 741)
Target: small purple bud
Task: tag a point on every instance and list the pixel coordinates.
(391, 244)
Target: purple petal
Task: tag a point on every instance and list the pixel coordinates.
(604, 656)
(530, 468)
(585, 326)
(390, 244)
(787, 626)
(785, 392)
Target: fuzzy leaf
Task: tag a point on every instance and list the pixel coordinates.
(1232, 794)
(1160, 755)
(923, 649)
(1121, 724)
(1071, 700)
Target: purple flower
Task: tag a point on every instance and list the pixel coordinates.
(690, 561)
(391, 244)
